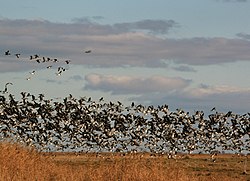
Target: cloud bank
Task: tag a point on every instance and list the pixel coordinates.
(134, 44)
(134, 85)
(174, 91)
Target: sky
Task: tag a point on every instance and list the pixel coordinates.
(192, 55)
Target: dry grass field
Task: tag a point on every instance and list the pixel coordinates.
(21, 163)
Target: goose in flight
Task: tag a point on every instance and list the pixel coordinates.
(213, 109)
(17, 55)
(67, 61)
(7, 52)
(33, 72)
(88, 51)
(6, 87)
(34, 56)
(101, 99)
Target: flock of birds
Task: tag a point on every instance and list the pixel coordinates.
(43, 59)
(84, 125)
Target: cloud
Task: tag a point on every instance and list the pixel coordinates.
(76, 78)
(184, 68)
(118, 45)
(205, 90)
(204, 97)
(207, 51)
(243, 35)
(87, 20)
(134, 85)
(223, 97)
(153, 26)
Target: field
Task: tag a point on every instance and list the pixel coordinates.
(22, 163)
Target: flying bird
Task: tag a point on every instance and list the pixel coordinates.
(88, 51)
(6, 87)
(59, 73)
(33, 72)
(67, 61)
(34, 56)
(44, 59)
(101, 99)
(7, 52)
(17, 55)
(61, 69)
(213, 109)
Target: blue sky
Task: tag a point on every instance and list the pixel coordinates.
(191, 54)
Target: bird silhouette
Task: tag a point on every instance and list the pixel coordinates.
(88, 51)
(67, 61)
(213, 109)
(6, 87)
(17, 55)
(7, 52)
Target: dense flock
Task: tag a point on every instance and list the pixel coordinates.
(86, 125)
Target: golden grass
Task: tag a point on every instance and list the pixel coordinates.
(22, 163)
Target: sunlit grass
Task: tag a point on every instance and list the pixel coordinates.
(21, 163)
